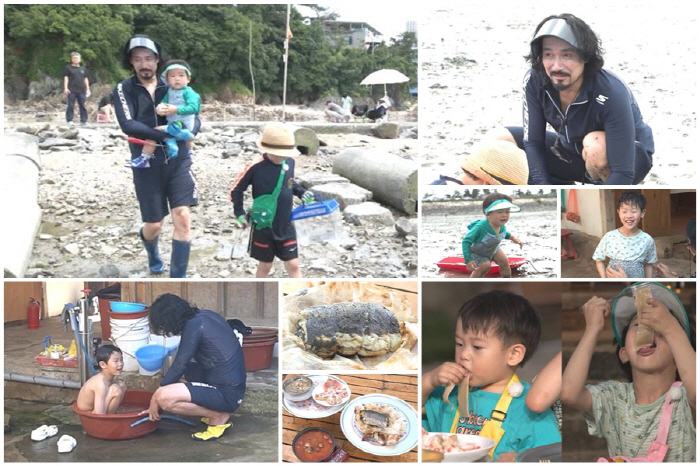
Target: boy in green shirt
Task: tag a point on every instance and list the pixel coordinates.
(481, 245)
(496, 333)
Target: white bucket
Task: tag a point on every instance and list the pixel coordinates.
(130, 335)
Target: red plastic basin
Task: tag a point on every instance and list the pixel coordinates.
(118, 426)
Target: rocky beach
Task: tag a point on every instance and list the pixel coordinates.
(90, 217)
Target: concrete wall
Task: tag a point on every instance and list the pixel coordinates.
(594, 212)
(60, 293)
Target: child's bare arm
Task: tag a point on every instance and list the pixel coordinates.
(600, 265)
(516, 241)
(648, 270)
(573, 391)
(546, 388)
(449, 372)
(658, 317)
(100, 406)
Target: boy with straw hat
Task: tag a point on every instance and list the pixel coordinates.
(491, 163)
(272, 179)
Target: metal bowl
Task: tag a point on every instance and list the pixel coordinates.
(298, 396)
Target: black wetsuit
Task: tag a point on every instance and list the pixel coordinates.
(604, 103)
(168, 182)
(216, 379)
(280, 240)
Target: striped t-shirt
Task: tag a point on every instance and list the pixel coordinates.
(630, 428)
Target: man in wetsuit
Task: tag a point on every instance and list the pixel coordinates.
(209, 358)
(600, 136)
(76, 87)
(169, 182)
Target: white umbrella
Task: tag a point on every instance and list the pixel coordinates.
(384, 77)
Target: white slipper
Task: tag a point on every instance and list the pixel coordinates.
(44, 432)
(66, 444)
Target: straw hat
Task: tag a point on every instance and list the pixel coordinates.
(498, 162)
(278, 139)
(623, 309)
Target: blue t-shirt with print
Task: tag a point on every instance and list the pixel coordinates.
(524, 429)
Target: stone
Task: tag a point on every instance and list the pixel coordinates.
(368, 212)
(345, 193)
(231, 151)
(51, 143)
(306, 140)
(72, 248)
(45, 236)
(406, 227)
(391, 179)
(386, 130)
(109, 271)
(309, 180)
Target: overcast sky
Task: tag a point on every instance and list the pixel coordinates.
(386, 17)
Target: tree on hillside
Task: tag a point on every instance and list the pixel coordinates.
(45, 35)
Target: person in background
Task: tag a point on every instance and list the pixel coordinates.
(76, 87)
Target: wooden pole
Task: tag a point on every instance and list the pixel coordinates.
(250, 62)
(286, 57)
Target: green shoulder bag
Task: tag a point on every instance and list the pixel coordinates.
(264, 207)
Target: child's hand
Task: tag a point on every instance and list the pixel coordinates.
(663, 271)
(471, 266)
(657, 316)
(241, 222)
(166, 109)
(448, 372)
(595, 311)
(617, 272)
(516, 241)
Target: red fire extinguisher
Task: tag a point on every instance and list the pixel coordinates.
(33, 314)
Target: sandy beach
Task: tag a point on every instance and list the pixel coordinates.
(472, 68)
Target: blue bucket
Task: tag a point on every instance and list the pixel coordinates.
(120, 307)
(151, 357)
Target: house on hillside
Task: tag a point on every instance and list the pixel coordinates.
(352, 33)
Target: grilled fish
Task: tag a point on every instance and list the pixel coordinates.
(373, 418)
(366, 329)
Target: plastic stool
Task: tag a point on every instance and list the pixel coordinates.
(566, 255)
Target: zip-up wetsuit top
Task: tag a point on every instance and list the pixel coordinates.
(209, 339)
(136, 113)
(263, 175)
(482, 241)
(604, 103)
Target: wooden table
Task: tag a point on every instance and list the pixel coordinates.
(404, 387)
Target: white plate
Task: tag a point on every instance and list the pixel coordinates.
(318, 389)
(309, 408)
(485, 443)
(352, 433)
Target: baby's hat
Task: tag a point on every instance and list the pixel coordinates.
(623, 309)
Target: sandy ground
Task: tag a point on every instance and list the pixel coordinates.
(441, 236)
(472, 68)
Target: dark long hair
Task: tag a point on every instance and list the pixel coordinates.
(589, 47)
(169, 313)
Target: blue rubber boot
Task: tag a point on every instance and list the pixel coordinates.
(155, 264)
(171, 147)
(179, 258)
(176, 130)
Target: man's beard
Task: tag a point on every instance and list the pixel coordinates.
(146, 74)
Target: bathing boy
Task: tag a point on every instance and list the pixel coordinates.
(103, 393)
(496, 333)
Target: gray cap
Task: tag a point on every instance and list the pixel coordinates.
(145, 42)
(557, 27)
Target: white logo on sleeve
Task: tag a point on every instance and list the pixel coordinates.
(601, 99)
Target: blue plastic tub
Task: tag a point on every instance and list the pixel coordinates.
(151, 357)
(120, 307)
(315, 209)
